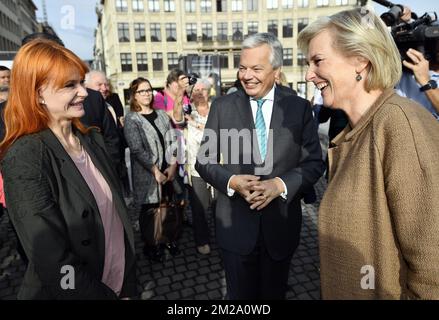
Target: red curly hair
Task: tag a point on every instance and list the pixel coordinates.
(36, 64)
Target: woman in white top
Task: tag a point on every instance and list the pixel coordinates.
(200, 193)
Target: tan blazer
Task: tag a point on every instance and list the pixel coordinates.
(379, 218)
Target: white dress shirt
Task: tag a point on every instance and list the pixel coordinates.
(267, 111)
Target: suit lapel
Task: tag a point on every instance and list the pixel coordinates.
(276, 120)
(245, 110)
(68, 169)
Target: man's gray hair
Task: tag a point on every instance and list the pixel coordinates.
(259, 39)
(92, 73)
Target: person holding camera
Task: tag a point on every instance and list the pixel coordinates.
(379, 216)
(420, 78)
(420, 82)
(174, 98)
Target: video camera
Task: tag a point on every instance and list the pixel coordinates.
(420, 34)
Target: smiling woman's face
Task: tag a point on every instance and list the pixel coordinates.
(331, 72)
(64, 103)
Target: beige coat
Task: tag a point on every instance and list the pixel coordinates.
(379, 218)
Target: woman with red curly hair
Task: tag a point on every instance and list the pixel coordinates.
(63, 195)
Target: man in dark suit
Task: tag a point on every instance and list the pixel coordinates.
(98, 115)
(260, 150)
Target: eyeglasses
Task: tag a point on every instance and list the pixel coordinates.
(144, 92)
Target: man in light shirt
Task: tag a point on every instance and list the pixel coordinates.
(260, 150)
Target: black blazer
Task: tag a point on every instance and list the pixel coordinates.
(2, 121)
(296, 158)
(57, 218)
(98, 115)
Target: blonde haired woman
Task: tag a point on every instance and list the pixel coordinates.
(379, 217)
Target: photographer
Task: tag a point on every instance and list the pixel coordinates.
(422, 85)
(420, 79)
(174, 97)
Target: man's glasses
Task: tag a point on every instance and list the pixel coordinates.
(144, 92)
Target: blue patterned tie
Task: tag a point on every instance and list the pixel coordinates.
(260, 129)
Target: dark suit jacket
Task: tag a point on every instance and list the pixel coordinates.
(296, 158)
(57, 218)
(98, 115)
(2, 122)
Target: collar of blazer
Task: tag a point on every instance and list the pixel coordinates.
(74, 178)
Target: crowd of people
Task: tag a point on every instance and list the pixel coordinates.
(249, 158)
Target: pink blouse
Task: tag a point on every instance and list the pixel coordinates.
(114, 264)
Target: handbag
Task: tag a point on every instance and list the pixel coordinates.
(168, 217)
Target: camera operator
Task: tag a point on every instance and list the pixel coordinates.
(420, 80)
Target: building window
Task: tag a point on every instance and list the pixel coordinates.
(287, 28)
(287, 4)
(138, 5)
(271, 4)
(206, 29)
(236, 5)
(301, 61)
(221, 5)
(121, 6)
(157, 61)
(322, 3)
(252, 27)
(123, 32)
(341, 2)
(206, 5)
(222, 31)
(153, 5)
(155, 32)
(224, 61)
(172, 60)
(272, 27)
(142, 61)
(301, 24)
(189, 5)
(169, 5)
(126, 62)
(171, 32)
(139, 32)
(236, 59)
(302, 3)
(252, 5)
(237, 33)
(288, 57)
(301, 89)
(191, 32)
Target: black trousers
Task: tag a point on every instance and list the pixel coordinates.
(255, 276)
(200, 199)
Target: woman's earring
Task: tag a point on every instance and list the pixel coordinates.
(358, 77)
(43, 102)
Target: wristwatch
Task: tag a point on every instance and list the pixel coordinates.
(431, 84)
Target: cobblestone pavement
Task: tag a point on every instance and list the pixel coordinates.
(190, 275)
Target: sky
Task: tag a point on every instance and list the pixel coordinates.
(75, 20)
